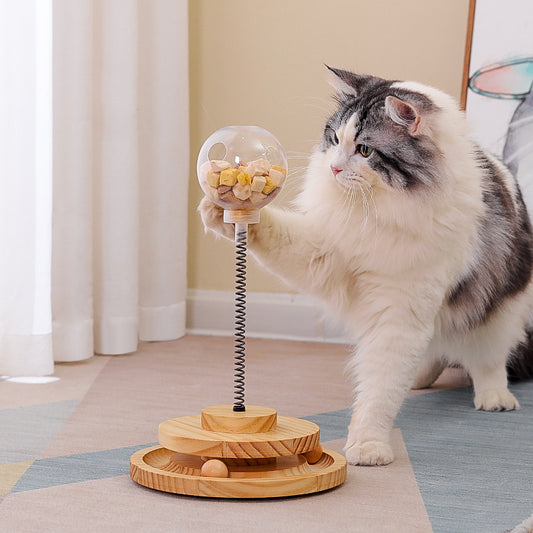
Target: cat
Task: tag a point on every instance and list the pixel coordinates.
(414, 238)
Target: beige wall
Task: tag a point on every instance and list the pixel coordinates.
(261, 62)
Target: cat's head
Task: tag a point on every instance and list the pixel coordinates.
(387, 135)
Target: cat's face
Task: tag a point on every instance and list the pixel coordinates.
(381, 135)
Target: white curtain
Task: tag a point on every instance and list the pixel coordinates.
(96, 261)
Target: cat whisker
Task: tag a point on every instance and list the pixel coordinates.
(297, 155)
(364, 202)
(361, 188)
(318, 103)
(348, 202)
(365, 182)
(371, 192)
(296, 168)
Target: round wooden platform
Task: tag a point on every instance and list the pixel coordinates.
(251, 454)
(162, 469)
(290, 436)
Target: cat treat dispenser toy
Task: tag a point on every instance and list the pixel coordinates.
(239, 450)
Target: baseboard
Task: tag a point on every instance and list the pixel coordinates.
(268, 315)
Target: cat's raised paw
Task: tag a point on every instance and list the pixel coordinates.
(213, 218)
(370, 453)
(495, 400)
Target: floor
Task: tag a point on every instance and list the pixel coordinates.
(64, 459)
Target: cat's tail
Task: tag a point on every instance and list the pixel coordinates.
(520, 363)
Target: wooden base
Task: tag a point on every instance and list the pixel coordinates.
(253, 454)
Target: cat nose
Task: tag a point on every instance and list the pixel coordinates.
(335, 170)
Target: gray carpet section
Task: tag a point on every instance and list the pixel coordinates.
(474, 469)
(42, 422)
(55, 471)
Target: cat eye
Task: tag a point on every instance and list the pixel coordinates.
(364, 150)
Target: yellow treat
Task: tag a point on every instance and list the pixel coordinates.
(213, 178)
(280, 169)
(229, 177)
(276, 176)
(244, 178)
(269, 187)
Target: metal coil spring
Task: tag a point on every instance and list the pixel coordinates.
(240, 318)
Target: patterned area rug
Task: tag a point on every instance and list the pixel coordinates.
(65, 448)
(474, 469)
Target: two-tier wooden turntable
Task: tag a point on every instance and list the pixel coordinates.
(227, 454)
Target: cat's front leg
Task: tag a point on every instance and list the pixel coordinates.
(385, 367)
(213, 219)
(283, 242)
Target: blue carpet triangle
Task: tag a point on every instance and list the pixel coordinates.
(54, 471)
(474, 469)
(42, 422)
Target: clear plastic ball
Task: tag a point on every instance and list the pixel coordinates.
(241, 167)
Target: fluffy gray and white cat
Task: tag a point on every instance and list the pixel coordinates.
(416, 239)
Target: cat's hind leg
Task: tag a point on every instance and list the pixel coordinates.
(491, 392)
(485, 358)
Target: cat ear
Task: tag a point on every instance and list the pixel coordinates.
(403, 113)
(344, 82)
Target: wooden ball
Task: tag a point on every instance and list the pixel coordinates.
(314, 455)
(214, 468)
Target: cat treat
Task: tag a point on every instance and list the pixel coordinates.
(242, 186)
(241, 168)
